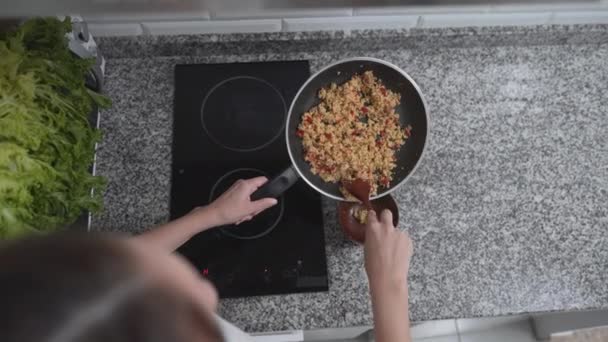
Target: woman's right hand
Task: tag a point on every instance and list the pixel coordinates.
(387, 261)
(387, 253)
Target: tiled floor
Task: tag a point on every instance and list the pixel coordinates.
(501, 329)
(496, 329)
(450, 338)
(512, 332)
(518, 328)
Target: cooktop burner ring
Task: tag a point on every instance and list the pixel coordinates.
(272, 215)
(248, 123)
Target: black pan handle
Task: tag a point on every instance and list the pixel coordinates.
(278, 185)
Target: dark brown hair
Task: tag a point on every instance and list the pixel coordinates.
(78, 287)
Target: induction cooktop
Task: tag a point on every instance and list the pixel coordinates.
(229, 122)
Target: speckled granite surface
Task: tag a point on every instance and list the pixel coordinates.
(508, 212)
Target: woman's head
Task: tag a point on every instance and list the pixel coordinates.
(70, 288)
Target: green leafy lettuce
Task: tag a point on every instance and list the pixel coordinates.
(46, 140)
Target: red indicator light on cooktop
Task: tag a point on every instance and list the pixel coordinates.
(205, 271)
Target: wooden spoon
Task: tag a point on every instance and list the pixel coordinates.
(360, 189)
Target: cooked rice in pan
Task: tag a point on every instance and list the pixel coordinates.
(354, 132)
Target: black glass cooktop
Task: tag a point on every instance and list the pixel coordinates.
(229, 122)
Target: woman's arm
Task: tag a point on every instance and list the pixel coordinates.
(387, 258)
(233, 206)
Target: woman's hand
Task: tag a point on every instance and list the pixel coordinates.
(387, 253)
(233, 206)
(387, 261)
(236, 206)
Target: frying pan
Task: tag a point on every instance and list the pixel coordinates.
(412, 111)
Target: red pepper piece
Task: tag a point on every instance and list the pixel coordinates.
(408, 131)
(384, 181)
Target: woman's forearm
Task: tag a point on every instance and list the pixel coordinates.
(173, 234)
(387, 258)
(391, 314)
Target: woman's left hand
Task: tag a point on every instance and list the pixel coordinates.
(235, 205)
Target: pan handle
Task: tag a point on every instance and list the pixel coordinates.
(278, 185)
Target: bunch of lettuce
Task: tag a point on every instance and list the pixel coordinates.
(46, 140)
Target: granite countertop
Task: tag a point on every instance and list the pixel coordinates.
(508, 211)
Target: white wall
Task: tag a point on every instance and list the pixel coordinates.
(346, 18)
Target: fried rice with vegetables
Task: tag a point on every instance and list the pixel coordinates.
(354, 132)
